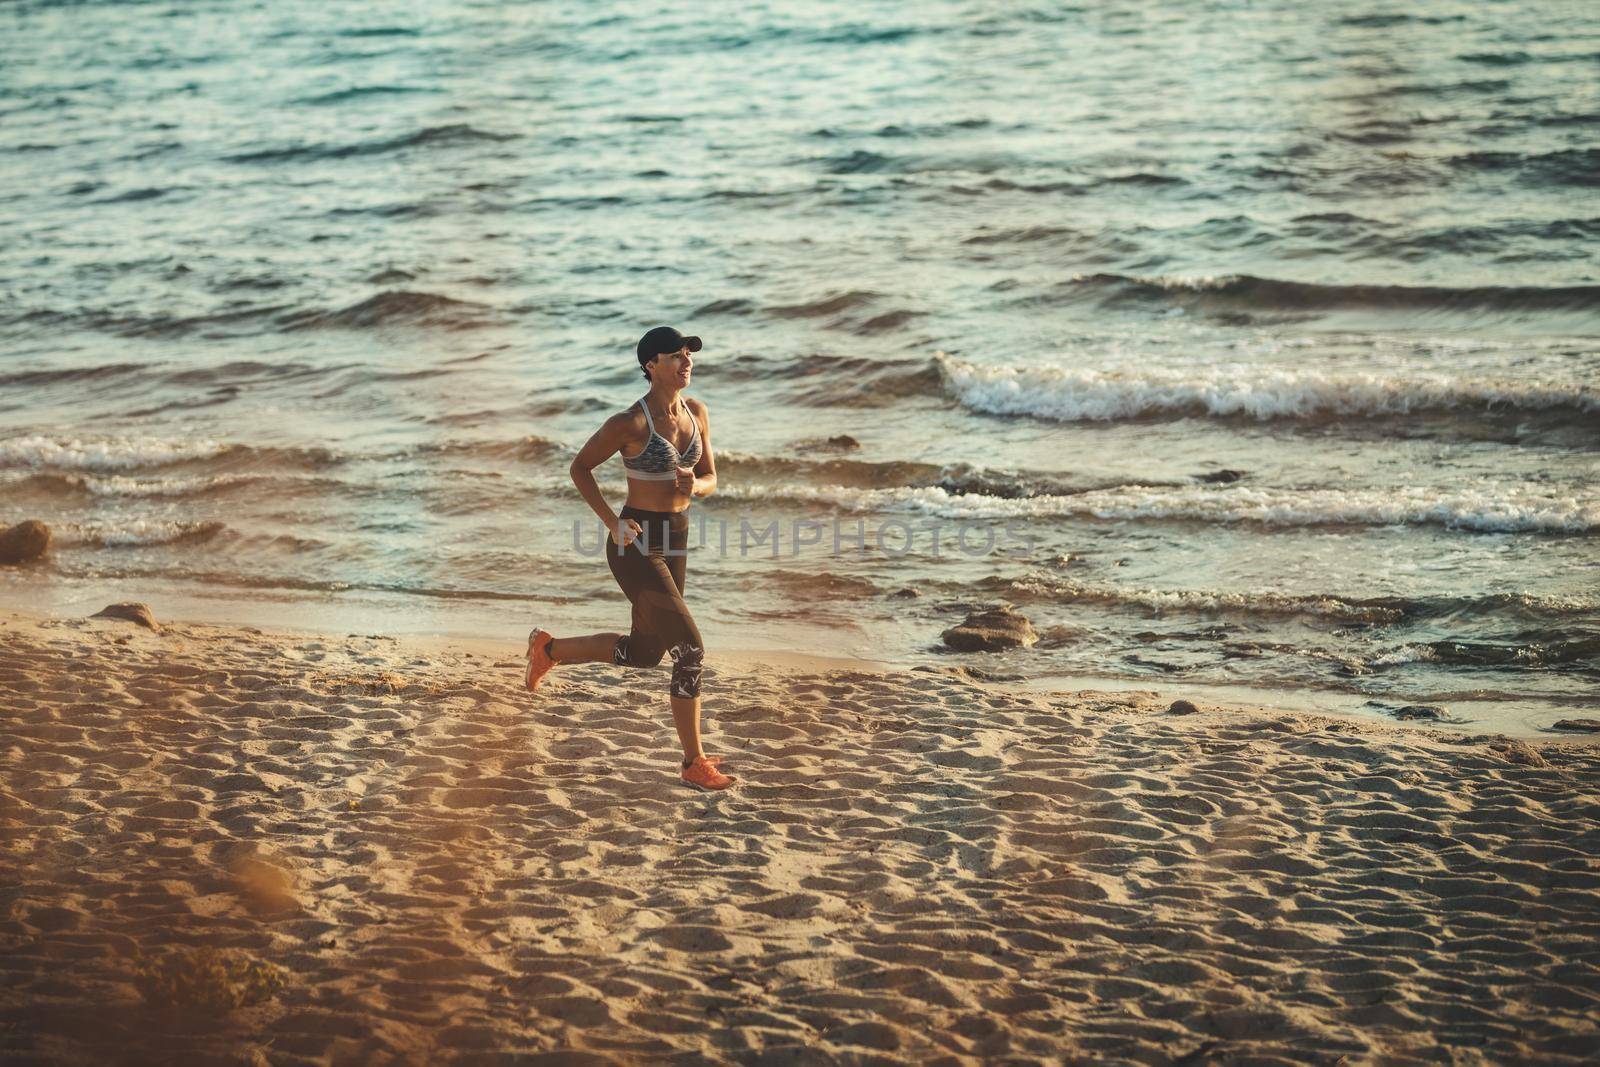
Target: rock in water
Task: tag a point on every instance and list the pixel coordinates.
(1222, 477)
(24, 542)
(1584, 726)
(838, 443)
(139, 613)
(991, 631)
(1428, 712)
(1059, 637)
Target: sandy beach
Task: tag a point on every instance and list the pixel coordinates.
(915, 866)
(1130, 469)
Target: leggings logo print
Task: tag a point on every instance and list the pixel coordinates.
(686, 663)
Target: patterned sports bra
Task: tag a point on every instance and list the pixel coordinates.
(659, 462)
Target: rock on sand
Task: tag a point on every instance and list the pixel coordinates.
(139, 613)
(990, 631)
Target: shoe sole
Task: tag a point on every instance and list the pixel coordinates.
(708, 788)
(529, 682)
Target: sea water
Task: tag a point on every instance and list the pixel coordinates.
(1236, 344)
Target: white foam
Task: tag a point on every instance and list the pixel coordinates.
(119, 485)
(1207, 600)
(1505, 511)
(1048, 586)
(138, 532)
(1405, 654)
(1250, 389)
(102, 454)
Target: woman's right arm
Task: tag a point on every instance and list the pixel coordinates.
(606, 442)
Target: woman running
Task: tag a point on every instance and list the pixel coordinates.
(665, 441)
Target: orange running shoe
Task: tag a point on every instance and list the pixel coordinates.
(703, 774)
(539, 659)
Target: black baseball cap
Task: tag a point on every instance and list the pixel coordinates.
(664, 339)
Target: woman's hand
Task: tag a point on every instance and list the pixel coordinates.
(625, 532)
(685, 481)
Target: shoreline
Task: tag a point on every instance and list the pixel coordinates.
(913, 865)
(456, 625)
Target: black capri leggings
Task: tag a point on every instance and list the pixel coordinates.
(650, 571)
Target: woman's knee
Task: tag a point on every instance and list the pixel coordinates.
(635, 651)
(688, 658)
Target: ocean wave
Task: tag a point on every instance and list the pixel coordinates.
(1249, 390)
(821, 364)
(138, 533)
(530, 448)
(106, 454)
(1118, 242)
(431, 137)
(1005, 185)
(1568, 166)
(1516, 655)
(250, 371)
(396, 307)
(1343, 610)
(853, 473)
(731, 306)
(30, 378)
(380, 31)
(121, 324)
(1388, 21)
(117, 455)
(1509, 512)
(1054, 589)
(134, 196)
(235, 579)
(859, 161)
(828, 305)
(1247, 292)
(122, 486)
(1544, 239)
(958, 479)
(808, 588)
(822, 380)
(364, 92)
(110, 455)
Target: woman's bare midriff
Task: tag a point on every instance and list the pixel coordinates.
(655, 496)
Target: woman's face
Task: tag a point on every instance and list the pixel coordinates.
(672, 368)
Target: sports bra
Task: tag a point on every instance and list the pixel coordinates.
(659, 461)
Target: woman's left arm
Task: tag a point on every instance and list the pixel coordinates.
(705, 472)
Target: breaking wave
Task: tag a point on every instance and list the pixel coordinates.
(1344, 610)
(138, 532)
(393, 308)
(1516, 512)
(1250, 293)
(1243, 390)
(105, 454)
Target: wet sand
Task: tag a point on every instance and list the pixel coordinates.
(915, 866)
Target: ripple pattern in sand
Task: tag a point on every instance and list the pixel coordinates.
(915, 867)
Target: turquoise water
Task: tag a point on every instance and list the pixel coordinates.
(1271, 329)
